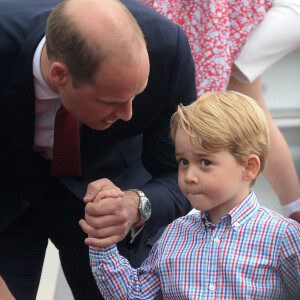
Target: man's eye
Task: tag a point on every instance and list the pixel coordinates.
(183, 162)
(205, 162)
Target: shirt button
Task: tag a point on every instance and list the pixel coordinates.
(216, 240)
(98, 272)
(236, 224)
(211, 287)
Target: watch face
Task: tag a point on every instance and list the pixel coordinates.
(146, 210)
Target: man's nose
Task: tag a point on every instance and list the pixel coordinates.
(124, 111)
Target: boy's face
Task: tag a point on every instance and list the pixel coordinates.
(212, 182)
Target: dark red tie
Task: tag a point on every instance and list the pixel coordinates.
(66, 147)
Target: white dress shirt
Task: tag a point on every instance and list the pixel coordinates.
(47, 102)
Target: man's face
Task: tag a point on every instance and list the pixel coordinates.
(110, 98)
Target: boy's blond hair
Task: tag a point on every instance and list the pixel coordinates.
(225, 121)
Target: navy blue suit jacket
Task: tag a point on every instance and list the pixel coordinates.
(133, 154)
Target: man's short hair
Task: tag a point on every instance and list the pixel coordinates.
(66, 41)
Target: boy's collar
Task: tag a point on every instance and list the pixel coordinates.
(244, 211)
(239, 215)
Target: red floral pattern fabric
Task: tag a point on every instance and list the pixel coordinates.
(217, 31)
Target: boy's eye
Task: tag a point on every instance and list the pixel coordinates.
(205, 162)
(183, 162)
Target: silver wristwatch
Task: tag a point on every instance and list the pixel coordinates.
(144, 208)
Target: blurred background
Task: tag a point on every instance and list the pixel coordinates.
(281, 85)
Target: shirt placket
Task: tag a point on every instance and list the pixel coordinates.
(215, 242)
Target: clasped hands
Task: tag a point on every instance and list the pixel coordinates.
(109, 213)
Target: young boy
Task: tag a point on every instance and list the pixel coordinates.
(234, 248)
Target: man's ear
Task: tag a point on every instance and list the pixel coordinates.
(59, 73)
(252, 166)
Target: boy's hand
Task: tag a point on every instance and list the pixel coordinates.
(105, 219)
(109, 213)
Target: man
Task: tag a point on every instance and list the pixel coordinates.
(123, 89)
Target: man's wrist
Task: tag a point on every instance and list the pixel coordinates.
(135, 201)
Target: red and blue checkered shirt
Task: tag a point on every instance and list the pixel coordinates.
(252, 253)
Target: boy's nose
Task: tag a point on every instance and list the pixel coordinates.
(191, 176)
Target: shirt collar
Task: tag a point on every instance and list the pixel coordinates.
(42, 90)
(239, 215)
(244, 211)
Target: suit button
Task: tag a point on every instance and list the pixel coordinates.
(25, 203)
(150, 238)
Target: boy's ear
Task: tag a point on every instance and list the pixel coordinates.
(59, 73)
(252, 166)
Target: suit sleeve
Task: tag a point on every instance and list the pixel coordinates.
(167, 200)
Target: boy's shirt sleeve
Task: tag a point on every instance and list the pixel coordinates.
(116, 279)
(290, 258)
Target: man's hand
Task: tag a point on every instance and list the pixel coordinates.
(4, 291)
(95, 187)
(109, 213)
(295, 216)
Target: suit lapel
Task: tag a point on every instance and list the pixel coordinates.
(20, 109)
